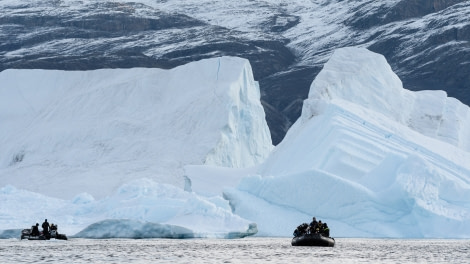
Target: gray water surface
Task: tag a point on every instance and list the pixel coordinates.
(246, 250)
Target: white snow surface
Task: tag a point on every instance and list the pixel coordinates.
(186, 149)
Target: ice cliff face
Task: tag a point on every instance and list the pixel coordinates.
(368, 157)
(64, 132)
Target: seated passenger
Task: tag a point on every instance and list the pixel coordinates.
(325, 230)
(296, 232)
(35, 230)
(319, 227)
(301, 230)
(313, 225)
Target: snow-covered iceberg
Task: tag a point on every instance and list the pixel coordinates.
(368, 156)
(186, 149)
(138, 209)
(76, 131)
(83, 147)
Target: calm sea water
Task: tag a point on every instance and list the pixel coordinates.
(247, 250)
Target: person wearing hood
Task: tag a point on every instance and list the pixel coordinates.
(35, 230)
(45, 228)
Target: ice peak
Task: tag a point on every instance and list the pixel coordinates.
(364, 78)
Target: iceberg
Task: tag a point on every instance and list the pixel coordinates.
(138, 209)
(186, 152)
(83, 147)
(367, 156)
(10, 233)
(126, 228)
(92, 131)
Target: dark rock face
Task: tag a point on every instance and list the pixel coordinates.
(101, 40)
(403, 10)
(406, 9)
(437, 62)
(285, 96)
(425, 41)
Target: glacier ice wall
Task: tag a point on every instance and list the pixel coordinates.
(65, 132)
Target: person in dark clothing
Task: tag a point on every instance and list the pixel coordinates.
(45, 228)
(319, 227)
(301, 230)
(313, 225)
(35, 230)
(325, 231)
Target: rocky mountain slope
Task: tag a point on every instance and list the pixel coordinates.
(287, 42)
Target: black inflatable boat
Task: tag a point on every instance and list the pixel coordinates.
(26, 234)
(315, 240)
